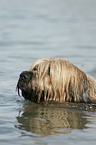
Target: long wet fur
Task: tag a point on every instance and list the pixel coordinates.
(54, 79)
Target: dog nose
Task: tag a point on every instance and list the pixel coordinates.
(24, 75)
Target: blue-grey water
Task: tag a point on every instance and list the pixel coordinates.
(32, 29)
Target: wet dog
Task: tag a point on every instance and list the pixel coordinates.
(54, 79)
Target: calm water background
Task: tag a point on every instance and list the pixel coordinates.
(32, 29)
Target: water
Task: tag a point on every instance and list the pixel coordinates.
(30, 30)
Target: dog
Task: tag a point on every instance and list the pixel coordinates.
(55, 79)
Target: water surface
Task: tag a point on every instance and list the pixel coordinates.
(30, 30)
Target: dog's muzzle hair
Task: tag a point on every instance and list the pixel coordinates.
(53, 79)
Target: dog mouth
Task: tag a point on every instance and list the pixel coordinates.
(19, 89)
(27, 94)
(23, 82)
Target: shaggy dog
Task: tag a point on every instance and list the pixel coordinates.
(54, 79)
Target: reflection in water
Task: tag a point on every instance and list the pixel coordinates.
(49, 120)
